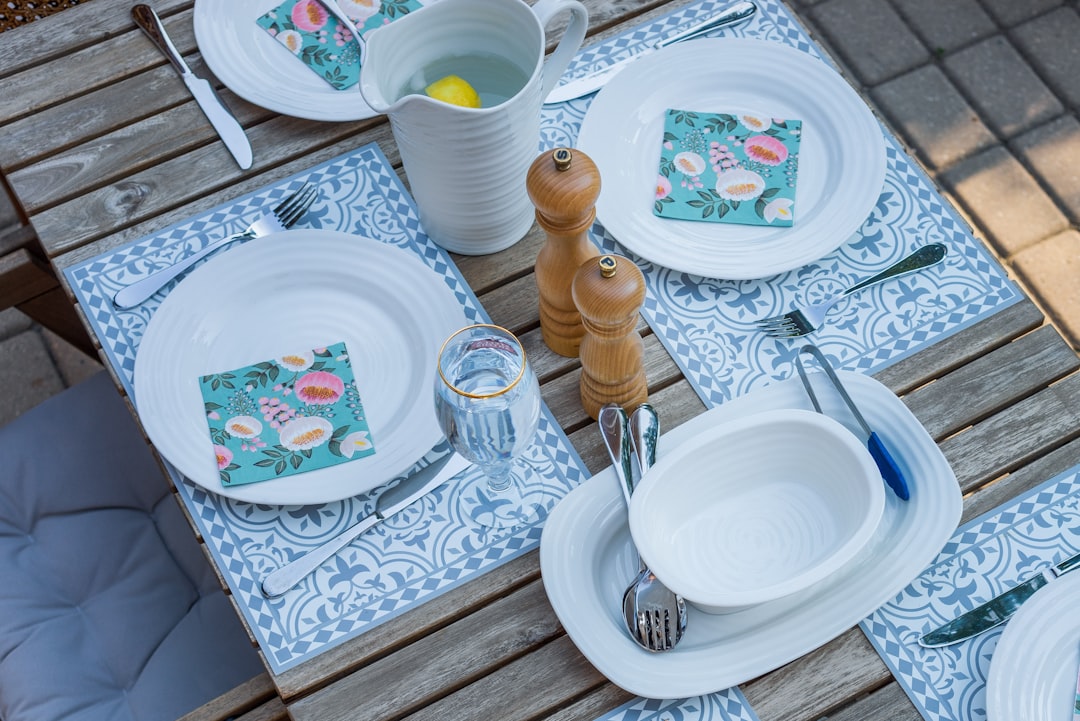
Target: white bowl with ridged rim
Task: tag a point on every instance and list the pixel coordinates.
(756, 509)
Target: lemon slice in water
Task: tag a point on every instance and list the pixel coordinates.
(455, 91)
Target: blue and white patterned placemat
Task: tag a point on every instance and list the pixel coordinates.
(986, 556)
(410, 558)
(708, 325)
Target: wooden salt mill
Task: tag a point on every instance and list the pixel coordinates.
(609, 292)
(564, 186)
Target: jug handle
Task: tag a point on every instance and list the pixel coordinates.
(569, 44)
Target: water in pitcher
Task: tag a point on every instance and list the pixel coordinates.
(494, 78)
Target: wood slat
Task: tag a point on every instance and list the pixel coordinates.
(23, 277)
(961, 347)
(1022, 480)
(69, 174)
(43, 41)
(818, 682)
(593, 704)
(550, 677)
(888, 703)
(998, 379)
(248, 697)
(1016, 436)
(80, 71)
(408, 628)
(450, 658)
(195, 181)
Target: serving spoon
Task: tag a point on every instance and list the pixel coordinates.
(655, 617)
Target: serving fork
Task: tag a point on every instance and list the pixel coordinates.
(807, 318)
(282, 217)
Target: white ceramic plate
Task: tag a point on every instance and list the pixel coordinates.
(841, 156)
(256, 67)
(297, 290)
(587, 558)
(1034, 667)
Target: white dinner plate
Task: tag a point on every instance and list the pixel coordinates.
(587, 559)
(841, 154)
(1034, 666)
(291, 291)
(259, 69)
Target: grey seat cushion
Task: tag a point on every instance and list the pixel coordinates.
(108, 607)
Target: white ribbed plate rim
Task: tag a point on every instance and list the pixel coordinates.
(842, 161)
(1034, 666)
(260, 70)
(587, 558)
(292, 291)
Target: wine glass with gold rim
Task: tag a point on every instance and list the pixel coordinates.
(487, 401)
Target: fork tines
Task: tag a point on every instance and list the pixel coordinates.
(290, 209)
(789, 325)
(654, 629)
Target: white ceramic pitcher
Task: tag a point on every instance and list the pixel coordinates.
(467, 166)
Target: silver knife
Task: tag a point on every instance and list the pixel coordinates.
(997, 610)
(596, 80)
(224, 123)
(393, 500)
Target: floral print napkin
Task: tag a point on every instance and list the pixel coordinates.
(322, 43)
(728, 168)
(295, 413)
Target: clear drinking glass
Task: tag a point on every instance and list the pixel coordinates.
(487, 400)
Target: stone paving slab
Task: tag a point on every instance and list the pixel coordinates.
(27, 375)
(986, 94)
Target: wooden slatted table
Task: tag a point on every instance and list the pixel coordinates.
(102, 145)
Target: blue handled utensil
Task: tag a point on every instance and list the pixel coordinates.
(890, 472)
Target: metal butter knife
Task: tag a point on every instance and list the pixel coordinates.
(596, 80)
(997, 610)
(224, 123)
(393, 500)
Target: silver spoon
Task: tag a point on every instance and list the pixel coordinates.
(655, 617)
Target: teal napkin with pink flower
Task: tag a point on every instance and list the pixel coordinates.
(297, 412)
(321, 42)
(728, 168)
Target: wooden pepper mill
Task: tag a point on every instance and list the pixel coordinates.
(563, 185)
(609, 292)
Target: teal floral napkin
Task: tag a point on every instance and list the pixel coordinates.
(728, 168)
(322, 43)
(295, 413)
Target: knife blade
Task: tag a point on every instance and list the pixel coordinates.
(231, 132)
(997, 610)
(391, 501)
(597, 79)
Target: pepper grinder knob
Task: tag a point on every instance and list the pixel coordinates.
(563, 184)
(609, 292)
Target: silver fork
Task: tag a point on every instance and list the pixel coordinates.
(661, 613)
(282, 217)
(808, 318)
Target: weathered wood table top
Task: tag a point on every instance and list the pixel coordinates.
(102, 145)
